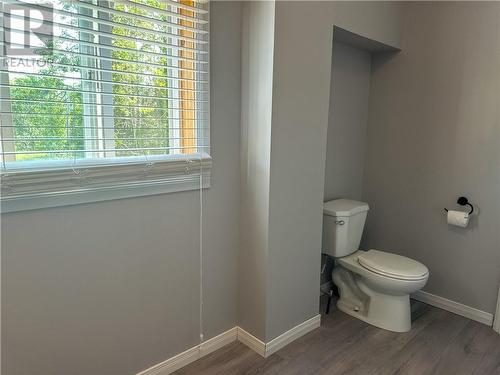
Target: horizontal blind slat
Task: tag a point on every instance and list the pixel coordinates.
(137, 118)
(40, 139)
(93, 92)
(115, 37)
(118, 72)
(96, 151)
(117, 128)
(33, 101)
(97, 46)
(199, 9)
(102, 21)
(119, 13)
(116, 59)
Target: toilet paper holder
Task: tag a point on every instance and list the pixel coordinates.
(463, 201)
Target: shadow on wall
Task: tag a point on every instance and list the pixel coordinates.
(352, 65)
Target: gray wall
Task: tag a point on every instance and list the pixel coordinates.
(287, 76)
(301, 88)
(256, 97)
(112, 288)
(347, 122)
(433, 136)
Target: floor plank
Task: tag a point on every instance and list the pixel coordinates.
(439, 343)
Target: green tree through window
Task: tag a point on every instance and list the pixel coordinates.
(56, 109)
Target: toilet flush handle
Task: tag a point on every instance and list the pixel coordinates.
(339, 222)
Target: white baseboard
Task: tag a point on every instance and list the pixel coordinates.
(218, 341)
(266, 349)
(496, 321)
(454, 307)
(236, 333)
(192, 354)
(293, 334)
(252, 342)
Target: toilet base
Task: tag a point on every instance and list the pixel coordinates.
(378, 308)
(396, 316)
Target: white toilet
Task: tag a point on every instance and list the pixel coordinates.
(374, 285)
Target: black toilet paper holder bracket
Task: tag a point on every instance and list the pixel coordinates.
(463, 201)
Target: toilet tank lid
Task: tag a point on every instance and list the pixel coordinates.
(344, 207)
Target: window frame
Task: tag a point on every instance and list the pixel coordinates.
(174, 172)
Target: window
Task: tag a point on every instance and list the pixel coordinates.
(102, 99)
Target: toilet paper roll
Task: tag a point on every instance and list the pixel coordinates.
(458, 218)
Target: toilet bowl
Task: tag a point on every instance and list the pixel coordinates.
(374, 296)
(374, 285)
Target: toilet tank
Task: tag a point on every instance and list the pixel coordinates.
(343, 223)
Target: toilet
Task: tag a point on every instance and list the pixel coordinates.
(374, 285)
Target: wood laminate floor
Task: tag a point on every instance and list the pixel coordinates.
(439, 343)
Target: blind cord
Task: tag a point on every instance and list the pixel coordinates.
(201, 253)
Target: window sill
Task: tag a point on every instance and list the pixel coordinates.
(172, 181)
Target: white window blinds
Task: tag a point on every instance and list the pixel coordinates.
(103, 94)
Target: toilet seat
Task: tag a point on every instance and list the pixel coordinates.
(392, 265)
